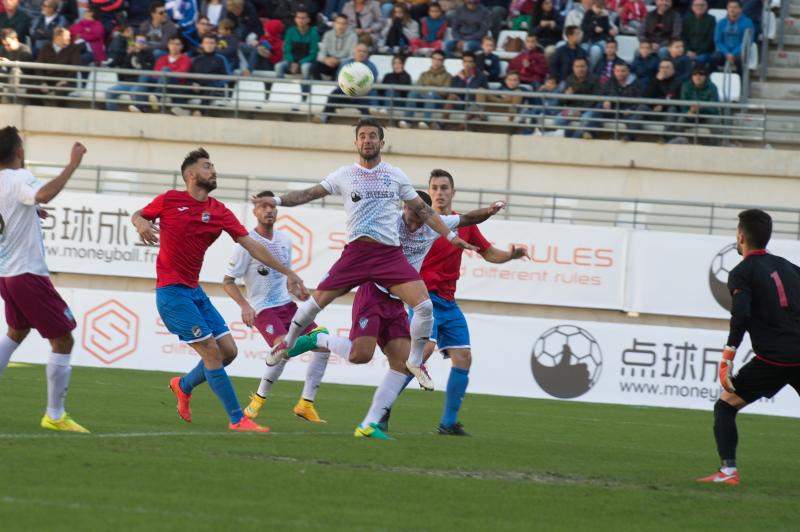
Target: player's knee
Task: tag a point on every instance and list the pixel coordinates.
(62, 344)
(723, 408)
(424, 310)
(18, 335)
(461, 358)
(360, 356)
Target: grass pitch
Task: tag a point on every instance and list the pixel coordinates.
(531, 464)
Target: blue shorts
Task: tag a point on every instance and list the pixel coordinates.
(450, 329)
(188, 313)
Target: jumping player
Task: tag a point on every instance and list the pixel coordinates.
(371, 189)
(30, 299)
(270, 308)
(189, 222)
(441, 270)
(766, 304)
(380, 318)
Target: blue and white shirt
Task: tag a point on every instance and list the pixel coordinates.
(417, 244)
(266, 288)
(371, 199)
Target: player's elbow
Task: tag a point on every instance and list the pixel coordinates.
(42, 197)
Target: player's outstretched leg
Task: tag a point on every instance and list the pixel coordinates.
(306, 312)
(271, 376)
(727, 437)
(316, 370)
(307, 342)
(58, 374)
(382, 400)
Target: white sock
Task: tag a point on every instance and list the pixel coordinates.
(338, 345)
(316, 369)
(421, 329)
(7, 347)
(58, 371)
(728, 470)
(385, 396)
(305, 314)
(271, 376)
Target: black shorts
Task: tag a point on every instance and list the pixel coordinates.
(759, 379)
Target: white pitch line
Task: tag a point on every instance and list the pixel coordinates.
(34, 436)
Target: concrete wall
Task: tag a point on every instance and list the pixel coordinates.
(520, 163)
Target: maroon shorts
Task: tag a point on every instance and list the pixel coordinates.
(376, 314)
(33, 302)
(274, 322)
(369, 262)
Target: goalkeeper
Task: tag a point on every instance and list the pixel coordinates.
(766, 304)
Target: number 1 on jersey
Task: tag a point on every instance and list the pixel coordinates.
(784, 301)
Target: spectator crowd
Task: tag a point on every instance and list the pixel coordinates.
(569, 48)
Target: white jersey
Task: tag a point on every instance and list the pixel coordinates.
(266, 288)
(371, 199)
(21, 242)
(417, 244)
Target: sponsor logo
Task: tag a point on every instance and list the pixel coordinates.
(363, 322)
(270, 329)
(355, 196)
(110, 331)
(196, 331)
(206, 216)
(70, 316)
(182, 209)
(566, 361)
(262, 270)
(721, 265)
(302, 241)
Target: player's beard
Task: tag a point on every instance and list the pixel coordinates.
(207, 184)
(372, 157)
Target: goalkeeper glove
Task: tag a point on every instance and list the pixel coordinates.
(726, 368)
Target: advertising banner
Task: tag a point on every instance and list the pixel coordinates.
(512, 356)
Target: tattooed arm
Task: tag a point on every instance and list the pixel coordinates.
(294, 198)
(429, 216)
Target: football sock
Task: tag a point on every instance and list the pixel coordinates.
(338, 345)
(271, 376)
(7, 347)
(385, 396)
(421, 329)
(725, 432)
(304, 316)
(316, 370)
(194, 378)
(221, 385)
(456, 388)
(58, 372)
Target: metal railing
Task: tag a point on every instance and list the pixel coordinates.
(660, 215)
(474, 110)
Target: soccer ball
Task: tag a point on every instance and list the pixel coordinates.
(356, 79)
(566, 361)
(721, 265)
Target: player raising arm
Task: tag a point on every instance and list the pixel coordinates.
(270, 308)
(371, 189)
(766, 304)
(31, 300)
(189, 222)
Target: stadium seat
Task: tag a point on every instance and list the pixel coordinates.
(729, 90)
(752, 59)
(284, 97)
(98, 83)
(718, 14)
(770, 26)
(415, 66)
(383, 63)
(627, 46)
(454, 66)
(503, 68)
(319, 96)
(251, 95)
(501, 41)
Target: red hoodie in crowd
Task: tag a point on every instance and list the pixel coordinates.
(273, 34)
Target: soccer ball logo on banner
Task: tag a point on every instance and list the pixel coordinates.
(566, 361)
(721, 265)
